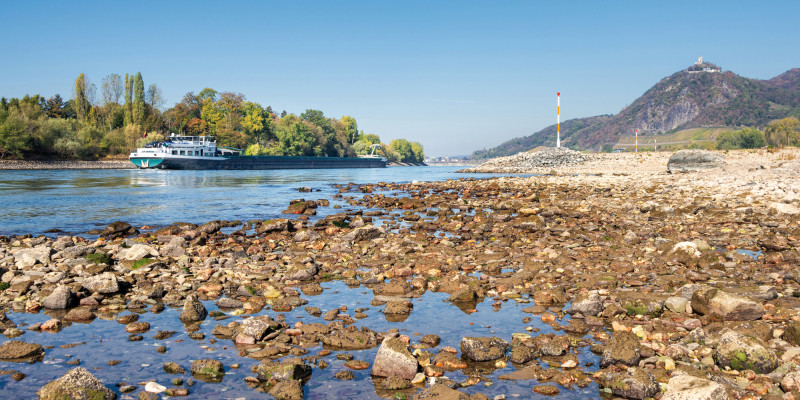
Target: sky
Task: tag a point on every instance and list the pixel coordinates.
(456, 76)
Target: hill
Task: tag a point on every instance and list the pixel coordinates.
(699, 96)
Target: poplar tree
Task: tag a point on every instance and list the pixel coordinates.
(128, 100)
(138, 99)
(81, 103)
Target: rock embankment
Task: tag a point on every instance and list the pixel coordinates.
(523, 162)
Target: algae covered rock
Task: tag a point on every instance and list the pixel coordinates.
(483, 348)
(76, 384)
(742, 352)
(623, 348)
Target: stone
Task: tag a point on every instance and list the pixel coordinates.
(193, 310)
(105, 283)
(25, 258)
(729, 307)
(588, 303)
(14, 350)
(207, 370)
(287, 390)
(398, 307)
(227, 302)
(463, 294)
(693, 160)
(440, 392)
(740, 352)
(623, 348)
(791, 381)
(59, 299)
(366, 232)
(173, 368)
(676, 304)
(687, 387)
(118, 229)
(137, 252)
(394, 359)
(635, 383)
(80, 314)
(275, 225)
(280, 371)
(483, 348)
(76, 384)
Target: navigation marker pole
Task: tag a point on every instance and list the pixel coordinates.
(637, 141)
(655, 144)
(558, 120)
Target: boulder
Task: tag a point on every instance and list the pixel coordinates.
(398, 307)
(687, 387)
(59, 299)
(635, 383)
(394, 359)
(742, 352)
(104, 283)
(304, 274)
(193, 310)
(483, 348)
(136, 252)
(366, 232)
(76, 251)
(118, 229)
(281, 371)
(207, 370)
(25, 258)
(729, 307)
(350, 340)
(76, 384)
(80, 314)
(676, 304)
(587, 303)
(274, 225)
(287, 390)
(440, 392)
(693, 160)
(16, 349)
(210, 227)
(623, 348)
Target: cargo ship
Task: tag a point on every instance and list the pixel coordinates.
(201, 152)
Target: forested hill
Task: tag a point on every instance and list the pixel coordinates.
(126, 114)
(701, 95)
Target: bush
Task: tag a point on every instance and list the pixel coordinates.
(747, 138)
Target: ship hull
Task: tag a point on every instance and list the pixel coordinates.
(257, 162)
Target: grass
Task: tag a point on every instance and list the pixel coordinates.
(4, 285)
(693, 138)
(99, 258)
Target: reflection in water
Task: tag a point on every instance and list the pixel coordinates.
(78, 200)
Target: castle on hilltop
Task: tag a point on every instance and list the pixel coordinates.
(700, 66)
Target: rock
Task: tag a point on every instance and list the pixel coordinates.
(396, 383)
(588, 303)
(210, 227)
(154, 387)
(255, 328)
(684, 253)
(227, 302)
(76, 384)
(623, 348)
(76, 252)
(104, 283)
(693, 160)
(304, 274)
(207, 370)
(275, 225)
(366, 232)
(636, 383)
(136, 252)
(25, 258)
(16, 349)
(792, 333)
(687, 387)
(440, 392)
(173, 368)
(729, 307)
(193, 310)
(118, 229)
(398, 307)
(547, 390)
(80, 314)
(524, 161)
(350, 340)
(59, 299)
(483, 348)
(287, 390)
(281, 371)
(742, 352)
(394, 359)
(791, 381)
(306, 236)
(783, 208)
(463, 294)
(676, 304)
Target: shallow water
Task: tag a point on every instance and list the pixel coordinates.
(107, 340)
(76, 201)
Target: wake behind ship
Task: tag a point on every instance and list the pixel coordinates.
(201, 152)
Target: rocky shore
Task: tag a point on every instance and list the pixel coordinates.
(680, 285)
(53, 164)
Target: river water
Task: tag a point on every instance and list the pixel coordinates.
(76, 201)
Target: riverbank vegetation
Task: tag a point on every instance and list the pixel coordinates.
(127, 114)
(780, 133)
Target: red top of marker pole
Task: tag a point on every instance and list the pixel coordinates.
(558, 93)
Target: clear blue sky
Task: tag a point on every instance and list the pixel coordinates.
(456, 76)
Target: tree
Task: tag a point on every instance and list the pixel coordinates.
(138, 100)
(14, 137)
(112, 89)
(403, 149)
(747, 138)
(54, 107)
(128, 100)
(81, 103)
(154, 96)
(783, 132)
(351, 128)
(418, 152)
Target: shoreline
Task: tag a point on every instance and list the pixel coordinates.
(25, 165)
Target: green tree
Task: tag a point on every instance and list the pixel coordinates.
(81, 103)
(783, 132)
(138, 110)
(747, 138)
(14, 136)
(417, 151)
(403, 149)
(128, 100)
(351, 128)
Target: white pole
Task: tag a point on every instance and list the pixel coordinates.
(558, 120)
(637, 141)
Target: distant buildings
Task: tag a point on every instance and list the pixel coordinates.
(700, 66)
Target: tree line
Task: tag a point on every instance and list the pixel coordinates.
(127, 115)
(779, 133)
